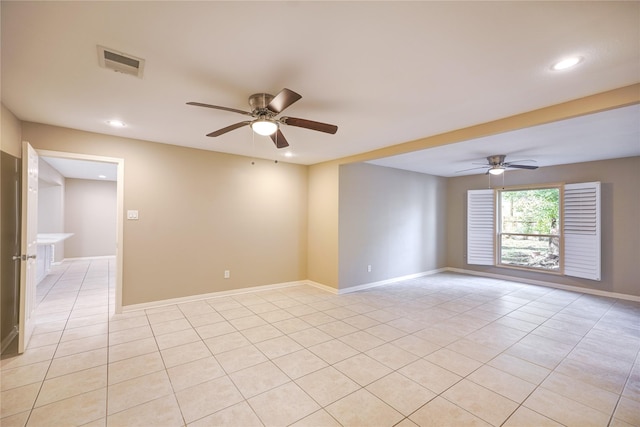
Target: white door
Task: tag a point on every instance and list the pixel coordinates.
(29, 244)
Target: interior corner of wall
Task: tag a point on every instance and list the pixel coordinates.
(10, 132)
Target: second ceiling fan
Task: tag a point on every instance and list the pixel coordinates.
(496, 165)
(264, 109)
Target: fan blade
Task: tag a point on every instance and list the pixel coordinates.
(309, 124)
(509, 165)
(217, 107)
(470, 169)
(228, 128)
(279, 139)
(282, 100)
(520, 161)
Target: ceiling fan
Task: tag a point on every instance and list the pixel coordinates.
(496, 165)
(264, 109)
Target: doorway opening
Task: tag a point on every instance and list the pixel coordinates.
(91, 167)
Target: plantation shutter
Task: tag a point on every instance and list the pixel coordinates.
(582, 230)
(480, 227)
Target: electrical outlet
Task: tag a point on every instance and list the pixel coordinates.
(369, 268)
(227, 274)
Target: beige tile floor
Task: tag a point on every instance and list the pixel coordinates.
(447, 349)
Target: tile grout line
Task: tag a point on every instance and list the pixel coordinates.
(109, 312)
(551, 371)
(624, 386)
(33, 407)
(520, 404)
(357, 313)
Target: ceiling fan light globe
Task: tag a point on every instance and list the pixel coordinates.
(496, 171)
(264, 127)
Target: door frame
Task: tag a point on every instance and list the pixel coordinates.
(119, 208)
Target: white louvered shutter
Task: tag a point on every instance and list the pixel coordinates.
(480, 227)
(582, 230)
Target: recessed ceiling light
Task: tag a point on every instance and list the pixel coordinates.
(102, 176)
(288, 154)
(116, 123)
(566, 63)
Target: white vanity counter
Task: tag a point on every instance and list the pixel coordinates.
(51, 238)
(45, 255)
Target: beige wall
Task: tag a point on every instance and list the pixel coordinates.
(391, 220)
(620, 224)
(322, 262)
(11, 133)
(201, 213)
(90, 214)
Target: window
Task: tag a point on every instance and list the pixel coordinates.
(529, 228)
(553, 228)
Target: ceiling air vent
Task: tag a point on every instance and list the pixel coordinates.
(120, 62)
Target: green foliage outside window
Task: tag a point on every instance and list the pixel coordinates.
(531, 211)
(530, 228)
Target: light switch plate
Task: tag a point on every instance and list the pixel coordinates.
(132, 214)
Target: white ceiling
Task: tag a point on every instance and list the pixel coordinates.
(384, 72)
(83, 169)
(606, 135)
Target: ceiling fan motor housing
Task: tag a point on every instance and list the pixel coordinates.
(259, 102)
(496, 160)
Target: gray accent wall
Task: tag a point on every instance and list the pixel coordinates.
(620, 180)
(390, 219)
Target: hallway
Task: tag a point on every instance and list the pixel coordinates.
(74, 305)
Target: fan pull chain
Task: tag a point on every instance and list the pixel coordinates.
(253, 148)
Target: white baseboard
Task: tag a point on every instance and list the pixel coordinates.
(88, 258)
(546, 284)
(388, 281)
(219, 294)
(200, 297)
(321, 286)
